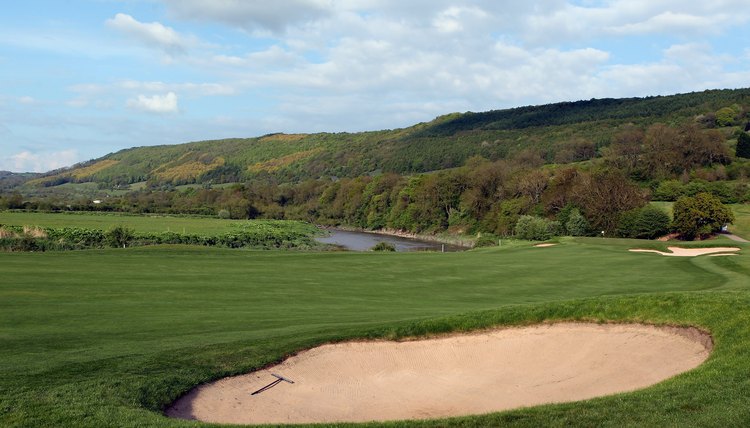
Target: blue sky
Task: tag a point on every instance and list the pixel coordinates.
(80, 79)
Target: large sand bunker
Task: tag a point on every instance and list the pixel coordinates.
(450, 376)
(690, 252)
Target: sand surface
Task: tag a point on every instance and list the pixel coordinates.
(549, 244)
(689, 252)
(452, 375)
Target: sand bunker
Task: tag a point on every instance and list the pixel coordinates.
(450, 376)
(689, 252)
(549, 244)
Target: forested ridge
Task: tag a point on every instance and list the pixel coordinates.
(575, 168)
(556, 130)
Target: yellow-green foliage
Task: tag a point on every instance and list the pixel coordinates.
(277, 163)
(34, 232)
(188, 167)
(77, 173)
(42, 181)
(90, 170)
(283, 137)
(6, 233)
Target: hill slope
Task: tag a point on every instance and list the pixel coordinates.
(442, 143)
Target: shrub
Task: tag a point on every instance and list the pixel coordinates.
(577, 225)
(648, 222)
(486, 240)
(119, 236)
(383, 246)
(34, 232)
(224, 214)
(536, 228)
(725, 116)
(669, 190)
(7, 233)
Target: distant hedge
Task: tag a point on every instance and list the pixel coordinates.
(18, 238)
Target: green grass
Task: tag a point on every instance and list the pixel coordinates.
(741, 226)
(109, 337)
(204, 226)
(666, 206)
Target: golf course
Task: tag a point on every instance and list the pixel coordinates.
(111, 337)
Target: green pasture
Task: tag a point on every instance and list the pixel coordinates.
(741, 224)
(204, 226)
(109, 337)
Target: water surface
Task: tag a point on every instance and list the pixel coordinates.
(364, 241)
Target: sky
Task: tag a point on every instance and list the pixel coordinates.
(83, 78)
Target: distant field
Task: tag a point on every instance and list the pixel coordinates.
(666, 206)
(741, 224)
(109, 337)
(141, 223)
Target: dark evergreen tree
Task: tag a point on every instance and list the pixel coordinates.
(743, 146)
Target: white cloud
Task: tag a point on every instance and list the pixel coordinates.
(328, 65)
(633, 17)
(201, 89)
(27, 100)
(27, 161)
(79, 102)
(151, 34)
(274, 16)
(452, 19)
(155, 104)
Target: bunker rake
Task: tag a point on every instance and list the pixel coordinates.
(278, 380)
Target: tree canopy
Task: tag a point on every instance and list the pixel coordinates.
(700, 215)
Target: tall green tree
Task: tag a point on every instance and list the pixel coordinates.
(700, 215)
(743, 146)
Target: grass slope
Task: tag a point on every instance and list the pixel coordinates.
(108, 338)
(741, 224)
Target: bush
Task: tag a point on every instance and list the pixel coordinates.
(648, 222)
(383, 246)
(487, 240)
(119, 236)
(669, 190)
(224, 214)
(536, 228)
(725, 116)
(577, 225)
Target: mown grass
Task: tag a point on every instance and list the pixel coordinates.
(741, 226)
(204, 226)
(110, 337)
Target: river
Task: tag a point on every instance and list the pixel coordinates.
(364, 241)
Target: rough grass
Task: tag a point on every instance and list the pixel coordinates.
(110, 337)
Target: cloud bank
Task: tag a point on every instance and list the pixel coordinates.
(234, 68)
(166, 103)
